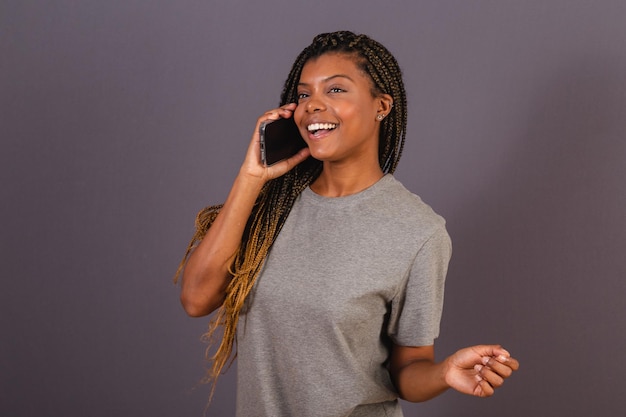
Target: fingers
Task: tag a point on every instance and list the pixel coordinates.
(483, 389)
(490, 350)
(492, 371)
(252, 164)
(285, 111)
(488, 375)
(491, 365)
(479, 370)
(497, 357)
(286, 165)
(501, 365)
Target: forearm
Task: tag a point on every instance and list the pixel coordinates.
(420, 380)
(206, 275)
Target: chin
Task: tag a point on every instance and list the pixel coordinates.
(322, 157)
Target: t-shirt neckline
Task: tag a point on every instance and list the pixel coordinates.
(311, 195)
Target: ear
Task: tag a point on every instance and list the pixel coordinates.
(385, 104)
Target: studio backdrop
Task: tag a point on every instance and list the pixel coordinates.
(120, 120)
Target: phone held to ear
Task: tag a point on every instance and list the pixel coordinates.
(280, 139)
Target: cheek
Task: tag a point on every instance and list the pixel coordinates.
(358, 116)
(298, 114)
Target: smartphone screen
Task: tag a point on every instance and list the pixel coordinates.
(280, 139)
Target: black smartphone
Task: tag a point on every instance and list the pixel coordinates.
(280, 139)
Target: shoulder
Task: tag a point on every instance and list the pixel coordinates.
(406, 206)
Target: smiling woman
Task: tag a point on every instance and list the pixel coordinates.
(328, 271)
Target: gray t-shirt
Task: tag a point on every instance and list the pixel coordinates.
(346, 277)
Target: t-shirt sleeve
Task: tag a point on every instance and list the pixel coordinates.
(417, 307)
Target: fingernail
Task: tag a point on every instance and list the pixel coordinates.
(485, 360)
(478, 367)
(503, 358)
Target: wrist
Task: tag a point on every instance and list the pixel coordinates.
(250, 181)
(446, 367)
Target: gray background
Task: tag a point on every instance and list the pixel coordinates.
(119, 120)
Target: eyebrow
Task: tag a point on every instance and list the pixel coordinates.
(332, 77)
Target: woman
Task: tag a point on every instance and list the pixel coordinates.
(326, 270)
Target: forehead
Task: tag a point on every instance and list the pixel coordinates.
(330, 65)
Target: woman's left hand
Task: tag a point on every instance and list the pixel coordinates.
(479, 370)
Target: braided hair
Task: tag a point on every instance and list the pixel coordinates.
(278, 195)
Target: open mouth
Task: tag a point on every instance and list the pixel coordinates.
(316, 128)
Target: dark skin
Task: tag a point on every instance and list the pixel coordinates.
(339, 118)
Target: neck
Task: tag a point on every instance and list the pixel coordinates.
(339, 181)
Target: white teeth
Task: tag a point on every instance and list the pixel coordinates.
(320, 126)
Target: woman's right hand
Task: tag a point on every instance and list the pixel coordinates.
(252, 165)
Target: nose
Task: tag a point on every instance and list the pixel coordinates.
(315, 105)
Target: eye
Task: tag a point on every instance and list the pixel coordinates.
(336, 90)
(302, 96)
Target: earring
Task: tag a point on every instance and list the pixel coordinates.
(380, 117)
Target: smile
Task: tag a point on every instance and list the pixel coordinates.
(315, 127)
